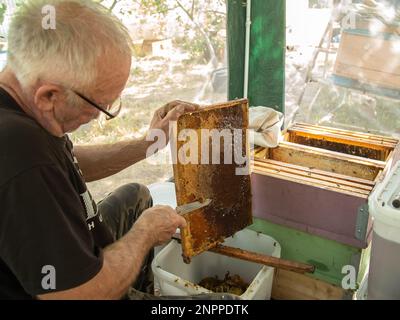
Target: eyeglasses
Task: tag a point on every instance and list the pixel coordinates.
(111, 110)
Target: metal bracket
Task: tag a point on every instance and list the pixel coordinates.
(362, 222)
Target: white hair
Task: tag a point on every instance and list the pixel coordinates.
(68, 54)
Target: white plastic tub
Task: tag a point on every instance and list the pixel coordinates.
(176, 278)
(163, 193)
(384, 271)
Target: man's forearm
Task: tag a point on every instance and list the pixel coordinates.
(101, 161)
(122, 263)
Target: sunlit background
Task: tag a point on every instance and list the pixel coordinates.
(179, 52)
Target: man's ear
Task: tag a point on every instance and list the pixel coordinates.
(46, 97)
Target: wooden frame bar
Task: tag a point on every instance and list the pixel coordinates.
(326, 160)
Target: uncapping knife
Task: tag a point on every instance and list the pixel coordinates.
(186, 208)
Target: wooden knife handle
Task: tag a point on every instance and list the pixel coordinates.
(264, 259)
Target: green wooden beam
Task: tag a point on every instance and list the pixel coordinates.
(236, 19)
(267, 52)
(267, 55)
(328, 256)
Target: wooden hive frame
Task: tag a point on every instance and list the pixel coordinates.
(355, 143)
(230, 209)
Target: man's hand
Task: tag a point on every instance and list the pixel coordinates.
(124, 258)
(170, 112)
(159, 224)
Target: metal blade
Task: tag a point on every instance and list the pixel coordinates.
(186, 208)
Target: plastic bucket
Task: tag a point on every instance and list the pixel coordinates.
(175, 278)
(384, 272)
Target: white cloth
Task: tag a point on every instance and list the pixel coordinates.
(266, 124)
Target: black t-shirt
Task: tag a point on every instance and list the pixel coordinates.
(50, 229)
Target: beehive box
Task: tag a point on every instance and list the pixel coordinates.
(328, 256)
(318, 181)
(368, 58)
(293, 286)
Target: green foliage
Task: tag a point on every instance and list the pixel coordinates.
(197, 47)
(154, 6)
(201, 16)
(318, 4)
(206, 17)
(3, 9)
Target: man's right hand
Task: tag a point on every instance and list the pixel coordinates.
(123, 259)
(159, 224)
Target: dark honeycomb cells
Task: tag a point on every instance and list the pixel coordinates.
(230, 284)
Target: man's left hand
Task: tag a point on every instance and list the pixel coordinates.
(170, 112)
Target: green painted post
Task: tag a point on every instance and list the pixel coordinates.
(267, 52)
(267, 55)
(236, 47)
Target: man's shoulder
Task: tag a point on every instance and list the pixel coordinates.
(24, 144)
(11, 120)
(18, 131)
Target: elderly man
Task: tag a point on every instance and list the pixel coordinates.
(55, 242)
